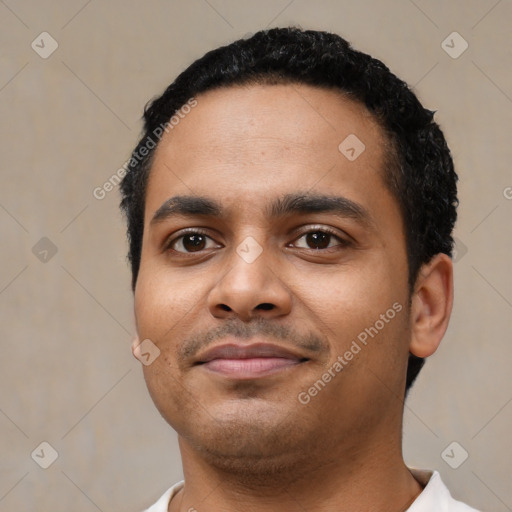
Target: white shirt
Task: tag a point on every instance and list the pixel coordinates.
(435, 497)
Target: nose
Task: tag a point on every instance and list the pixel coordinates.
(249, 289)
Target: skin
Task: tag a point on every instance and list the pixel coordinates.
(251, 444)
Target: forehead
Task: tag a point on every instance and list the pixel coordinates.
(252, 141)
(298, 114)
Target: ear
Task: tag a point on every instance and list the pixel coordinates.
(431, 305)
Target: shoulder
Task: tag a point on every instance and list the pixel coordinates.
(435, 495)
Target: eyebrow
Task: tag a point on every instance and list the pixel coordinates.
(302, 203)
(312, 203)
(187, 206)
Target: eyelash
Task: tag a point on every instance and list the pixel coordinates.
(342, 242)
(315, 229)
(190, 231)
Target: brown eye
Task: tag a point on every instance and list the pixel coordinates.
(192, 242)
(319, 239)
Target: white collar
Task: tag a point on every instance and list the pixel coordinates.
(435, 495)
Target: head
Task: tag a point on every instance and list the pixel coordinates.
(256, 129)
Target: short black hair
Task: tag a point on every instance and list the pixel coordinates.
(419, 170)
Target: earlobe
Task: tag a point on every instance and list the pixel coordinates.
(431, 305)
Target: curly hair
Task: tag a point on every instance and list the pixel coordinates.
(419, 170)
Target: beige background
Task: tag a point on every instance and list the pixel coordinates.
(70, 121)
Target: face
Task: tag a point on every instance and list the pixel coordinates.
(273, 279)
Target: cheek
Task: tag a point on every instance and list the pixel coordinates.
(363, 311)
(164, 300)
(376, 337)
(163, 310)
(359, 295)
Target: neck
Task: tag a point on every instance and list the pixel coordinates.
(371, 478)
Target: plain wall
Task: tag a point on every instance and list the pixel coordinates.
(70, 121)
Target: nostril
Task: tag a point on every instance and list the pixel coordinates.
(265, 306)
(225, 308)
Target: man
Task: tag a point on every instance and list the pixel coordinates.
(290, 209)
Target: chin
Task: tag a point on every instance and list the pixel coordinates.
(252, 450)
(256, 442)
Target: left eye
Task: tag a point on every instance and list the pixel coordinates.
(192, 242)
(318, 240)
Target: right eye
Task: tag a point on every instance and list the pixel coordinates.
(192, 241)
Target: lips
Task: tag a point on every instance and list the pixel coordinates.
(249, 361)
